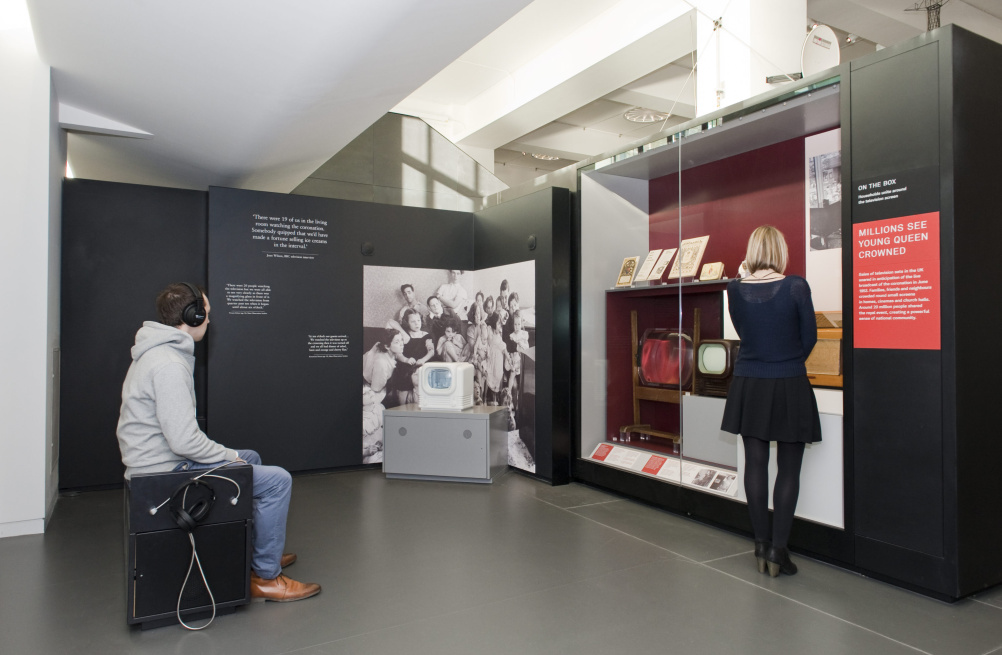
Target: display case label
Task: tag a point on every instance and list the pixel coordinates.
(654, 464)
(602, 452)
(896, 279)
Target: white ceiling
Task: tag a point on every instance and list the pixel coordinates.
(258, 94)
(244, 93)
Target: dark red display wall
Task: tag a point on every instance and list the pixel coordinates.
(728, 199)
(656, 307)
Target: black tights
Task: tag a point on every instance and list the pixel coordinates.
(784, 495)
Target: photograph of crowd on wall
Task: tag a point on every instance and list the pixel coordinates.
(487, 318)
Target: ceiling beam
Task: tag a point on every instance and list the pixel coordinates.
(538, 93)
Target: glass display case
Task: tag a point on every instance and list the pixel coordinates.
(657, 353)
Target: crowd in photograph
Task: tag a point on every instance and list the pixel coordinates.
(448, 326)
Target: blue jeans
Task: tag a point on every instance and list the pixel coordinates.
(272, 492)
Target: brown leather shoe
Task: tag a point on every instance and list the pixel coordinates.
(288, 559)
(282, 589)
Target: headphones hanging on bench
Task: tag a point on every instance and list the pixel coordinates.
(193, 314)
(187, 516)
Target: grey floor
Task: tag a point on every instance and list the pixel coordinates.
(517, 567)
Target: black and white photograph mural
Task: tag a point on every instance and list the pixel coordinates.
(824, 194)
(487, 318)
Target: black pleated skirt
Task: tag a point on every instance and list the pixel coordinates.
(772, 409)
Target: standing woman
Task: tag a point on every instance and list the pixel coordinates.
(770, 398)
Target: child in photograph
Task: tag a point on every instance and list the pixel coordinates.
(450, 345)
(413, 395)
(493, 364)
(503, 295)
(466, 354)
(372, 425)
(418, 350)
(436, 318)
(488, 311)
(509, 325)
(478, 357)
(476, 314)
(518, 340)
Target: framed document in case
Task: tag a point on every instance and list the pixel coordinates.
(626, 272)
(647, 266)
(663, 260)
(690, 254)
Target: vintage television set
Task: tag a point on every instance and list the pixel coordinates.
(445, 385)
(715, 366)
(665, 359)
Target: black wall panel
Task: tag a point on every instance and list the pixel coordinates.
(898, 394)
(501, 236)
(977, 140)
(267, 394)
(121, 244)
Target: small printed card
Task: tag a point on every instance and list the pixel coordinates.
(712, 271)
(663, 260)
(647, 266)
(626, 272)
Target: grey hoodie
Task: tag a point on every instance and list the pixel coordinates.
(157, 428)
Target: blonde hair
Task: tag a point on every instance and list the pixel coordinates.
(767, 249)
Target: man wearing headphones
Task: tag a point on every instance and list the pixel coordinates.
(157, 432)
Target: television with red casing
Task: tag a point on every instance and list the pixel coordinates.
(665, 358)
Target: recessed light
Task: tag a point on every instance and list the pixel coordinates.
(642, 115)
(538, 155)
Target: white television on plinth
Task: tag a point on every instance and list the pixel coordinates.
(445, 385)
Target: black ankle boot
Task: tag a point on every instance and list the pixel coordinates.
(761, 549)
(779, 562)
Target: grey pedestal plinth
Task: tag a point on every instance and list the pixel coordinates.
(465, 446)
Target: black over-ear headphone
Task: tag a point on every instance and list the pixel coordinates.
(187, 518)
(194, 313)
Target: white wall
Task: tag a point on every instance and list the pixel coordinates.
(615, 224)
(29, 264)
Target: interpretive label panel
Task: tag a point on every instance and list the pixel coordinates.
(896, 274)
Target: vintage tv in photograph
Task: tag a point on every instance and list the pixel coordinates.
(715, 364)
(664, 358)
(446, 385)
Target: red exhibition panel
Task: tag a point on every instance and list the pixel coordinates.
(654, 464)
(896, 283)
(602, 452)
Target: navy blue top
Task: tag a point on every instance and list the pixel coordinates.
(776, 324)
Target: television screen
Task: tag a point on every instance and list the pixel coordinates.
(440, 378)
(715, 358)
(665, 359)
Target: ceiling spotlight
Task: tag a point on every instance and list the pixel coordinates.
(851, 38)
(641, 115)
(538, 155)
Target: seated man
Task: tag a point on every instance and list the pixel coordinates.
(157, 432)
